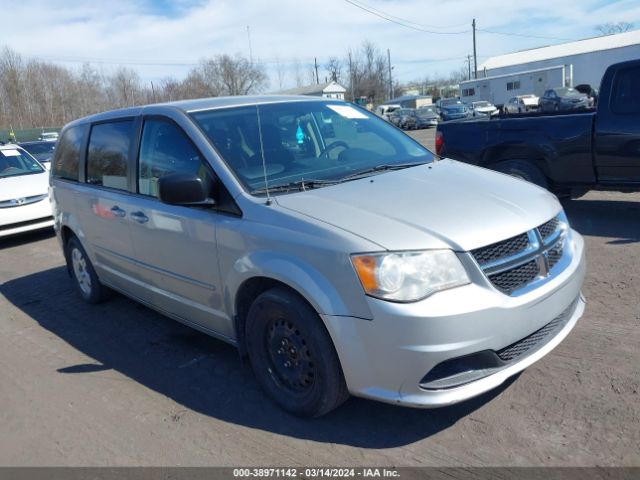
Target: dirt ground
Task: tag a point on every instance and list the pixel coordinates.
(118, 384)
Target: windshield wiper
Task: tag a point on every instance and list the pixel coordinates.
(300, 186)
(379, 168)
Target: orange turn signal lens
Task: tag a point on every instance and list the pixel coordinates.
(366, 269)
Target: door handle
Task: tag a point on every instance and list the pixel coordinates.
(117, 211)
(139, 217)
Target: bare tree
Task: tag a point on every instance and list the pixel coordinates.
(39, 94)
(280, 72)
(334, 68)
(613, 28)
(238, 76)
(297, 72)
(123, 88)
(368, 73)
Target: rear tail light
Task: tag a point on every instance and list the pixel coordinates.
(439, 142)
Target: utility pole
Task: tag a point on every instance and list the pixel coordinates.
(315, 62)
(475, 57)
(390, 77)
(469, 66)
(250, 49)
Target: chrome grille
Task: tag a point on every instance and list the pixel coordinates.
(515, 278)
(547, 229)
(514, 263)
(498, 250)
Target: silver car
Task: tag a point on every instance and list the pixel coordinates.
(329, 247)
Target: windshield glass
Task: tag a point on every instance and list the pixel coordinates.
(305, 141)
(450, 102)
(568, 92)
(480, 104)
(41, 151)
(14, 162)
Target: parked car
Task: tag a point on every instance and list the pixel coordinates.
(427, 116)
(24, 202)
(521, 104)
(569, 153)
(404, 118)
(385, 111)
(452, 109)
(41, 150)
(483, 108)
(345, 263)
(48, 136)
(590, 92)
(563, 98)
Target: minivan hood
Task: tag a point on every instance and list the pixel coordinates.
(446, 204)
(22, 186)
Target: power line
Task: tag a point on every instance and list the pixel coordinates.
(397, 21)
(523, 35)
(404, 20)
(417, 26)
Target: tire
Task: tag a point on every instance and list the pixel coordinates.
(292, 355)
(524, 170)
(84, 275)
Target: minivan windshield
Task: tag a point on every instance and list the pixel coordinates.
(306, 143)
(15, 162)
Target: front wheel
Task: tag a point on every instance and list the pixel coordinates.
(292, 355)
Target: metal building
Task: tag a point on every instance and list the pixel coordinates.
(535, 70)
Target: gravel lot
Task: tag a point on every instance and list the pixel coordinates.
(118, 384)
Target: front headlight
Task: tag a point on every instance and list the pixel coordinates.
(408, 276)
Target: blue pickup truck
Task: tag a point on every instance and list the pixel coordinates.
(566, 152)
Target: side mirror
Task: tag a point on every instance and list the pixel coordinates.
(183, 189)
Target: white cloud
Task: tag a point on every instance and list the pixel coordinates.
(154, 37)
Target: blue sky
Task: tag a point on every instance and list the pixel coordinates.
(161, 38)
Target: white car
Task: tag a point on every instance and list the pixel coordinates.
(483, 108)
(49, 136)
(24, 186)
(385, 111)
(522, 104)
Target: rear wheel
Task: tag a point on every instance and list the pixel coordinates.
(524, 170)
(292, 354)
(82, 271)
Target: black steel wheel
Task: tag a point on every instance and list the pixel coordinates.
(292, 354)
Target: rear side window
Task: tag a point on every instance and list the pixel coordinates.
(67, 158)
(625, 97)
(108, 154)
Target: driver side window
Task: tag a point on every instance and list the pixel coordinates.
(165, 149)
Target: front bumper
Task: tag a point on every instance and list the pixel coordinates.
(453, 116)
(25, 218)
(388, 357)
(432, 122)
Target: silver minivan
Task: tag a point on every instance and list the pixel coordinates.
(333, 250)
